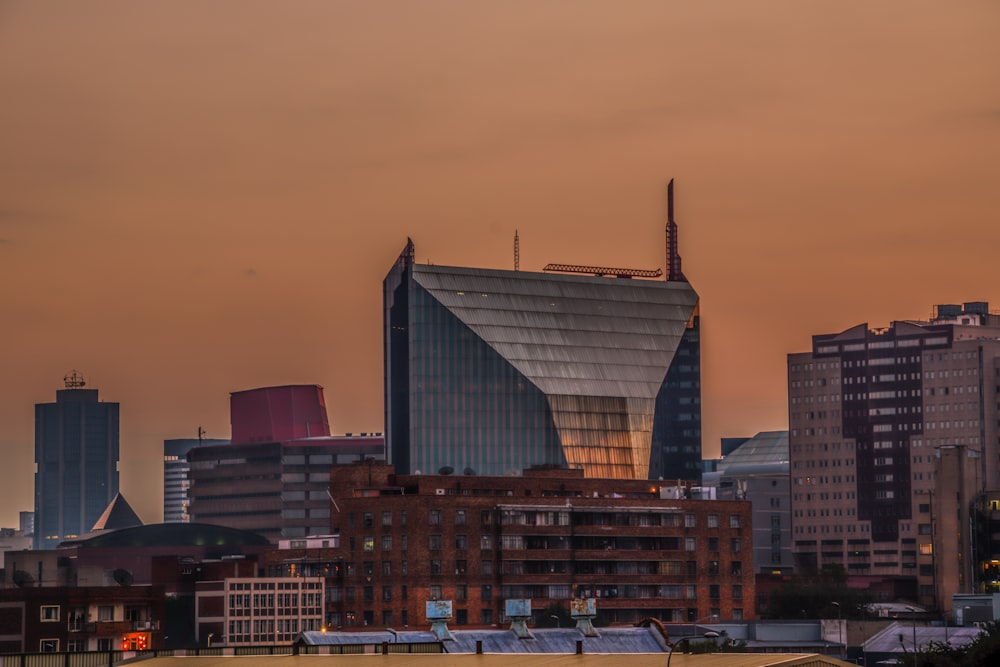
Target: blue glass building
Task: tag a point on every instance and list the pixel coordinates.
(490, 371)
(76, 458)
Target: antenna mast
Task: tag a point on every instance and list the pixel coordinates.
(673, 256)
(517, 252)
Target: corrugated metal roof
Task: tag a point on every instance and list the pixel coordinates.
(504, 660)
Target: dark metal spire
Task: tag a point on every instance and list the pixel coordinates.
(673, 256)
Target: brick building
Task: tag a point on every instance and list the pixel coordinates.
(550, 535)
(86, 618)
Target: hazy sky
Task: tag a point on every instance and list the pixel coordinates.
(204, 197)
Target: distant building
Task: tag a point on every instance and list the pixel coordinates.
(550, 535)
(76, 456)
(273, 479)
(176, 480)
(490, 371)
(757, 470)
(886, 426)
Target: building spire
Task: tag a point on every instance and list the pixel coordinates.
(673, 256)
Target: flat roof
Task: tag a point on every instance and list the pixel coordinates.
(505, 660)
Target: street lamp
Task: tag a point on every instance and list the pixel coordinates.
(913, 620)
(711, 634)
(840, 630)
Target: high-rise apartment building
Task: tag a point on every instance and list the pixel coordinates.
(176, 476)
(490, 371)
(76, 458)
(873, 415)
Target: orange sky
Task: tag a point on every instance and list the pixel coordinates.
(198, 198)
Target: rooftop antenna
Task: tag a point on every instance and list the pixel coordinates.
(673, 256)
(73, 380)
(517, 252)
(201, 435)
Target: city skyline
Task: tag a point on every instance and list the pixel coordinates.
(203, 200)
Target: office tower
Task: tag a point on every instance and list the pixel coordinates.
(757, 470)
(491, 371)
(176, 479)
(873, 414)
(76, 455)
(274, 477)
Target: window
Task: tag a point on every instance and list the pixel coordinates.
(402, 517)
(434, 517)
(435, 592)
(434, 542)
(690, 521)
(369, 543)
(435, 566)
(461, 542)
(403, 542)
(486, 567)
(486, 517)
(387, 568)
(486, 617)
(403, 568)
(387, 543)
(459, 517)
(50, 613)
(461, 566)
(387, 594)
(105, 612)
(48, 646)
(690, 544)
(387, 518)
(713, 544)
(734, 520)
(735, 545)
(76, 646)
(713, 520)
(367, 520)
(486, 543)
(461, 592)
(486, 592)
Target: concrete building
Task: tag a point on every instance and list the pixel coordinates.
(273, 479)
(257, 611)
(76, 458)
(176, 476)
(884, 424)
(757, 470)
(491, 371)
(551, 535)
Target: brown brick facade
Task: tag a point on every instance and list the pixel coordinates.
(550, 535)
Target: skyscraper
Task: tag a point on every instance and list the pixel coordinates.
(76, 454)
(876, 417)
(491, 372)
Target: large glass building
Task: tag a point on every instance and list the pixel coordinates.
(76, 454)
(490, 372)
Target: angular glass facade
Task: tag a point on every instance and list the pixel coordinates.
(492, 371)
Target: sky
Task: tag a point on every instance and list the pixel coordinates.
(204, 197)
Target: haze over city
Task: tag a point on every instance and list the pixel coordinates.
(199, 199)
